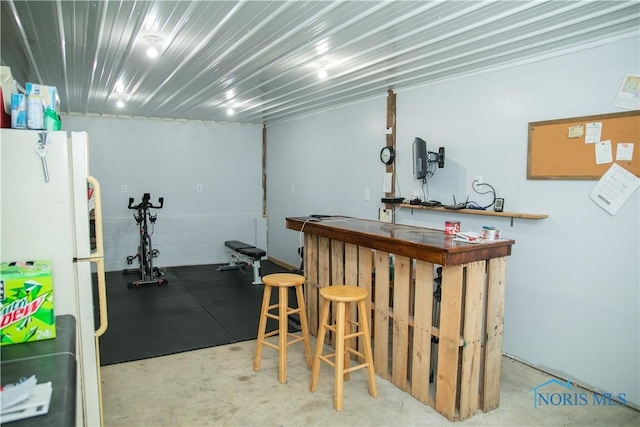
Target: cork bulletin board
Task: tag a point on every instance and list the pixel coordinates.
(557, 148)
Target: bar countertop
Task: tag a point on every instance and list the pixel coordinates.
(416, 242)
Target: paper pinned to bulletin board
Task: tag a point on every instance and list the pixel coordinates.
(584, 148)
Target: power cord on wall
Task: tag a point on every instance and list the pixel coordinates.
(475, 205)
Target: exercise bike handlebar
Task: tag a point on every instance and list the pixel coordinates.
(146, 203)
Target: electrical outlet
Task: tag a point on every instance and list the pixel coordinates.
(478, 179)
(293, 190)
(366, 194)
(198, 188)
(124, 188)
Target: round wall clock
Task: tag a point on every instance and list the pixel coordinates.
(387, 155)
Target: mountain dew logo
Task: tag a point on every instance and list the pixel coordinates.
(20, 309)
(26, 311)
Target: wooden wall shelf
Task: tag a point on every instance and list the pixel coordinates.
(511, 215)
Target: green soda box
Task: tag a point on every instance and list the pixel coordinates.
(26, 302)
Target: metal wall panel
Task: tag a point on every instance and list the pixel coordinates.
(261, 57)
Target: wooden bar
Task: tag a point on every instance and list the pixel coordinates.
(449, 330)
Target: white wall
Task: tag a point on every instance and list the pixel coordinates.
(169, 159)
(572, 303)
(329, 160)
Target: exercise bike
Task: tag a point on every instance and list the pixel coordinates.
(148, 273)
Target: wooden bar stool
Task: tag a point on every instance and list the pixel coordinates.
(282, 281)
(342, 296)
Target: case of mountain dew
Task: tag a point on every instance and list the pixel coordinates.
(26, 302)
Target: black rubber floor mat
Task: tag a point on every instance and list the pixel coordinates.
(199, 308)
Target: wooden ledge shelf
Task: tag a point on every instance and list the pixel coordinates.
(511, 215)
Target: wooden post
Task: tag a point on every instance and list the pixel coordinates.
(472, 339)
(365, 264)
(324, 267)
(422, 329)
(381, 315)
(391, 141)
(311, 281)
(264, 171)
(449, 344)
(337, 278)
(351, 278)
(497, 272)
(401, 286)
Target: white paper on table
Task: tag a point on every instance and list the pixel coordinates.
(594, 132)
(603, 152)
(614, 188)
(37, 404)
(13, 394)
(624, 151)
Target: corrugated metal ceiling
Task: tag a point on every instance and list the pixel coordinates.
(261, 58)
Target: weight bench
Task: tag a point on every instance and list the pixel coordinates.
(244, 254)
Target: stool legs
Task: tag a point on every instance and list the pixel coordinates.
(368, 355)
(283, 306)
(324, 316)
(341, 357)
(262, 326)
(283, 328)
(304, 326)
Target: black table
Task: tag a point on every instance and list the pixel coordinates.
(49, 360)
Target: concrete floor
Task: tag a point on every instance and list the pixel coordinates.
(218, 387)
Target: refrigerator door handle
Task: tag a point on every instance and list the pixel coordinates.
(98, 256)
(97, 212)
(102, 297)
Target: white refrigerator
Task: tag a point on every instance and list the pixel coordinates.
(45, 214)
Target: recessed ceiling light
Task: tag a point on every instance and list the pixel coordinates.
(153, 41)
(120, 103)
(322, 73)
(152, 52)
(230, 111)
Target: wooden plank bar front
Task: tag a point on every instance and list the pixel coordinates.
(451, 335)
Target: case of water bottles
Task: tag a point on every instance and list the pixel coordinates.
(36, 109)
